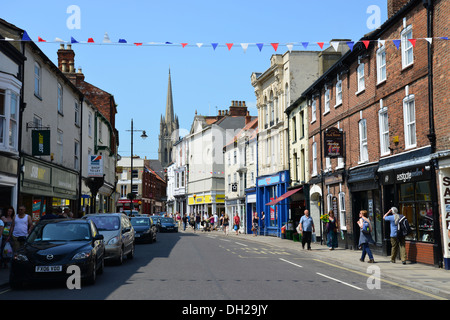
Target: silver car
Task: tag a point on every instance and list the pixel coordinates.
(118, 234)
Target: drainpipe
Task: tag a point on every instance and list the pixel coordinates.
(438, 256)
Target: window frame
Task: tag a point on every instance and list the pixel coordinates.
(360, 78)
(409, 99)
(384, 131)
(381, 52)
(363, 145)
(407, 46)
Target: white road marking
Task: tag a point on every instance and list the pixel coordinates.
(241, 244)
(297, 265)
(337, 280)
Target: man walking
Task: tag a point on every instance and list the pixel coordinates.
(306, 228)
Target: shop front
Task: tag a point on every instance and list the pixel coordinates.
(208, 202)
(444, 188)
(268, 189)
(250, 204)
(365, 195)
(8, 182)
(43, 185)
(408, 185)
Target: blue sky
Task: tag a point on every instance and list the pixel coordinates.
(203, 79)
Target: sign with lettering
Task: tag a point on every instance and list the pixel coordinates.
(333, 143)
(95, 166)
(445, 213)
(40, 140)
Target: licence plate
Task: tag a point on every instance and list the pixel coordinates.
(48, 268)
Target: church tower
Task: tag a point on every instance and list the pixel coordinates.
(168, 129)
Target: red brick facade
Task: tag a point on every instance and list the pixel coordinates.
(401, 82)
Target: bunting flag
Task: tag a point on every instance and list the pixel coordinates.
(397, 43)
(275, 45)
(350, 45)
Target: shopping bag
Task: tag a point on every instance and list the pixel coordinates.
(7, 251)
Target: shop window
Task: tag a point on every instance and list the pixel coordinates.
(415, 204)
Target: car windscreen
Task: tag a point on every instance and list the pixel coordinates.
(105, 223)
(140, 222)
(60, 232)
(166, 220)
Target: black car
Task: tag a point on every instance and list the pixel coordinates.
(53, 246)
(167, 224)
(145, 229)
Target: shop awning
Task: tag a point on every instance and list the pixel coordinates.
(284, 196)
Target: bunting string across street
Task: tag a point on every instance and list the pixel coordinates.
(229, 45)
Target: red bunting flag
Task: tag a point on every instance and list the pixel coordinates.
(366, 43)
(275, 46)
(41, 40)
(138, 44)
(90, 40)
(320, 44)
(413, 42)
(229, 45)
(184, 45)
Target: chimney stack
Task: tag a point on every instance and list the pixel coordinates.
(66, 58)
(393, 6)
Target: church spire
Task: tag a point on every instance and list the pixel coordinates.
(169, 104)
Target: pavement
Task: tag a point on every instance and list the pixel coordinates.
(426, 279)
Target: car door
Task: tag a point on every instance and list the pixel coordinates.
(98, 245)
(127, 234)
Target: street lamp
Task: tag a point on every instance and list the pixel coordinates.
(143, 136)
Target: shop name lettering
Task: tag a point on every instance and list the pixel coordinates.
(446, 184)
(246, 309)
(37, 173)
(406, 176)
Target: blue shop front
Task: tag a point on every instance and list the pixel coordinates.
(268, 188)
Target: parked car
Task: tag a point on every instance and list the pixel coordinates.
(53, 246)
(167, 224)
(118, 233)
(145, 230)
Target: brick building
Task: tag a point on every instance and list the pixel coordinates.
(376, 98)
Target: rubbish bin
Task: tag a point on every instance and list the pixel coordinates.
(290, 230)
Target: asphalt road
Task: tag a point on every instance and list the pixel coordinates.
(211, 266)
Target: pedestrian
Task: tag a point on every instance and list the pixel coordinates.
(221, 221)
(237, 222)
(365, 237)
(255, 224)
(22, 227)
(178, 218)
(263, 222)
(185, 221)
(211, 222)
(197, 222)
(397, 242)
(306, 226)
(7, 219)
(226, 222)
(332, 227)
(216, 220)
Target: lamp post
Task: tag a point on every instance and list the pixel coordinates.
(143, 136)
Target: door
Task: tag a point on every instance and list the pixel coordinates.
(360, 202)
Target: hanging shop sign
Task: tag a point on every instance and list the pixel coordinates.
(333, 143)
(40, 140)
(95, 166)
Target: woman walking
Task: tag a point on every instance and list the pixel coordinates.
(332, 227)
(255, 224)
(365, 236)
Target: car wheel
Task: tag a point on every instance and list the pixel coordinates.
(13, 284)
(120, 258)
(91, 279)
(102, 266)
(130, 255)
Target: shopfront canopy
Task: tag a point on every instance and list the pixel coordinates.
(284, 196)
